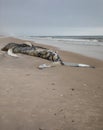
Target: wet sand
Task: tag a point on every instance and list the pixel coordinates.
(57, 98)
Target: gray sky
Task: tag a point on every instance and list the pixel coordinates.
(51, 17)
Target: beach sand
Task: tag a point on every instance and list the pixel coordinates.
(57, 98)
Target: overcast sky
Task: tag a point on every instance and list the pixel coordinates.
(51, 17)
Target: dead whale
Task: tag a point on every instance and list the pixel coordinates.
(38, 51)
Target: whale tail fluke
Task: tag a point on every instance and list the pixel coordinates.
(10, 53)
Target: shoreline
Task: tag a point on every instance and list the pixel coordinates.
(85, 50)
(52, 47)
(90, 51)
(66, 56)
(57, 98)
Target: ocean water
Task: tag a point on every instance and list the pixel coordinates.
(91, 46)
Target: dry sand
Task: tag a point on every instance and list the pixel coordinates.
(58, 98)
